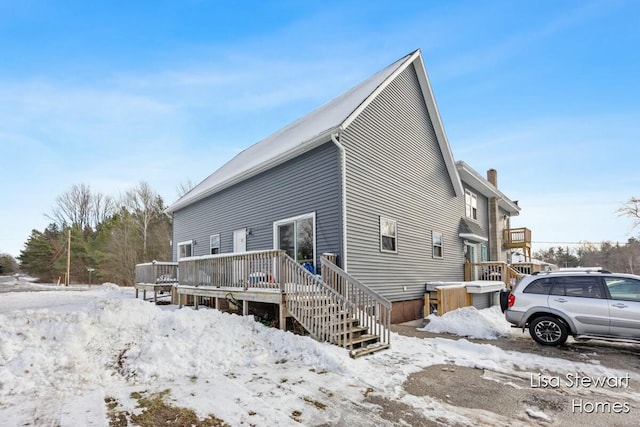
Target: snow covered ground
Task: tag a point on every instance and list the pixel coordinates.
(64, 352)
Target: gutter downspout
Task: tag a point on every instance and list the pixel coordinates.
(343, 160)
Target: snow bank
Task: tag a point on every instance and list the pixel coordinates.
(62, 353)
(488, 323)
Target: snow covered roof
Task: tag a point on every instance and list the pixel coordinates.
(315, 129)
(481, 184)
(471, 230)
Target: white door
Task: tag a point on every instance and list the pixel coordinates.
(240, 240)
(239, 245)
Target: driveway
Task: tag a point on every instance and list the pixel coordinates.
(512, 397)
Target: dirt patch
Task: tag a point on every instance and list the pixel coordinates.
(155, 411)
(400, 413)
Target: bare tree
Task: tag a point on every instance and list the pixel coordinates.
(184, 187)
(80, 207)
(103, 208)
(145, 205)
(73, 208)
(631, 209)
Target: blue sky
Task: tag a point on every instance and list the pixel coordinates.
(116, 93)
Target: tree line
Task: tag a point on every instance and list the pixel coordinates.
(620, 258)
(108, 236)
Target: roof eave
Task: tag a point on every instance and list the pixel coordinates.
(472, 236)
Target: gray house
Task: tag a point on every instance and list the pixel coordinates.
(369, 177)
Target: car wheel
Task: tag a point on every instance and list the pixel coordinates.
(548, 330)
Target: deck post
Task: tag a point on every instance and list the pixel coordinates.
(282, 321)
(155, 296)
(245, 307)
(196, 299)
(136, 293)
(217, 303)
(144, 294)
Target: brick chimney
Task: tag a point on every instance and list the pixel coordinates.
(495, 242)
(492, 177)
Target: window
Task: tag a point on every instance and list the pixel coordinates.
(540, 286)
(436, 239)
(185, 249)
(388, 235)
(471, 204)
(484, 255)
(574, 286)
(623, 288)
(214, 244)
(296, 236)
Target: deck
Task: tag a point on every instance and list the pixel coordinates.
(155, 277)
(332, 307)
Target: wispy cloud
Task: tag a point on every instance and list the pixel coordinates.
(513, 44)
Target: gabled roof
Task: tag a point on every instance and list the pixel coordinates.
(481, 184)
(315, 129)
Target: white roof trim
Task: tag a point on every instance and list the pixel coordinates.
(473, 237)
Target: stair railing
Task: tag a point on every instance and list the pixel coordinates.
(319, 309)
(370, 308)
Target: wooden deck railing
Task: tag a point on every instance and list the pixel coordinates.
(499, 271)
(321, 310)
(327, 311)
(516, 237)
(258, 269)
(157, 272)
(371, 309)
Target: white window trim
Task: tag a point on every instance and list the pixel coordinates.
(395, 223)
(279, 222)
(211, 244)
(473, 204)
(433, 245)
(186, 242)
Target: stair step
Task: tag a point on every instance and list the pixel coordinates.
(372, 348)
(360, 341)
(355, 331)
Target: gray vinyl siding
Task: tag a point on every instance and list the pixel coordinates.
(481, 301)
(483, 209)
(395, 169)
(308, 183)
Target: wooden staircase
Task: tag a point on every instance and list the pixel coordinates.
(337, 309)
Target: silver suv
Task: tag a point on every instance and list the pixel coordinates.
(584, 304)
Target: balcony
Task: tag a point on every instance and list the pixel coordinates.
(518, 238)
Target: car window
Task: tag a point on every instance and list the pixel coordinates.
(577, 286)
(623, 288)
(540, 286)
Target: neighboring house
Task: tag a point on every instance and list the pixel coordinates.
(487, 215)
(369, 177)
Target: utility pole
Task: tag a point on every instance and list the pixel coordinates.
(66, 279)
